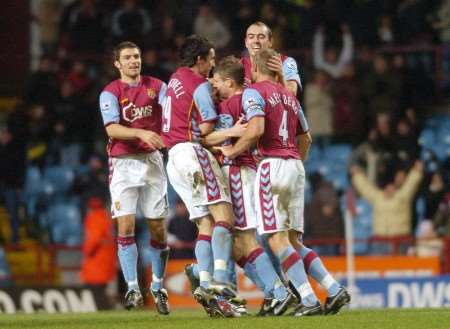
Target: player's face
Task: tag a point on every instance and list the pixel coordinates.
(129, 63)
(257, 38)
(221, 85)
(205, 65)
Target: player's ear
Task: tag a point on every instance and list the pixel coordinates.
(117, 64)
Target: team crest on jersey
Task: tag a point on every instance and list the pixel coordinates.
(151, 93)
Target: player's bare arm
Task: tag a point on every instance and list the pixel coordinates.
(219, 136)
(303, 144)
(118, 131)
(254, 131)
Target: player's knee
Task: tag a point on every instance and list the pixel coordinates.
(158, 230)
(205, 225)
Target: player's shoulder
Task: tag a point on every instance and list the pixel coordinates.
(289, 62)
(113, 87)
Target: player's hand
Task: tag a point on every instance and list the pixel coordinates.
(239, 128)
(276, 65)
(226, 150)
(150, 138)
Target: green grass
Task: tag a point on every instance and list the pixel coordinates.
(367, 319)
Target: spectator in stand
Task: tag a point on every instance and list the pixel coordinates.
(319, 107)
(182, 233)
(441, 219)
(381, 89)
(411, 21)
(407, 148)
(131, 22)
(99, 266)
(434, 194)
(428, 243)
(309, 15)
(385, 30)
(392, 205)
(39, 133)
(347, 110)
(385, 147)
(85, 28)
(93, 181)
(328, 59)
(270, 16)
(12, 176)
(42, 85)
(79, 78)
(48, 17)
(209, 26)
(366, 156)
(324, 216)
(441, 21)
(151, 65)
(244, 17)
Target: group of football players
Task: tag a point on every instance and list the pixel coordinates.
(236, 137)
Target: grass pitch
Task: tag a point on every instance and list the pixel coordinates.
(379, 319)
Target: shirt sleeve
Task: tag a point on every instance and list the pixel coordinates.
(225, 121)
(303, 127)
(109, 108)
(290, 71)
(162, 94)
(252, 103)
(204, 102)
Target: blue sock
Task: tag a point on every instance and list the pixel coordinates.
(159, 254)
(293, 267)
(203, 254)
(128, 255)
(231, 268)
(195, 271)
(250, 272)
(221, 242)
(315, 268)
(265, 271)
(264, 242)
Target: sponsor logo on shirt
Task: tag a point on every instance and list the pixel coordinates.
(132, 112)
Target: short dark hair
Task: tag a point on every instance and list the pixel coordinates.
(261, 59)
(193, 47)
(124, 45)
(231, 67)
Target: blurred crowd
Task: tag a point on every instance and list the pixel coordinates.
(372, 72)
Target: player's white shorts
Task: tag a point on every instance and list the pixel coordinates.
(197, 178)
(279, 195)
(138, 181)
(241, 182)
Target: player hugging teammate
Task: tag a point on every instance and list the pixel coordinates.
(257, 187)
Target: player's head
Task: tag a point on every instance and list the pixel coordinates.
(228, 76)
(260, 66)
(127, 59)
(258, 36)
(197, 52)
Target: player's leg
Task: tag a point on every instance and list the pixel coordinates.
(292, 265)
(273, 288)
(337, 295)
(276, 187)
(124, 196)
(128, 256)
(203, 250)
(154, 206)
(222, 239)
